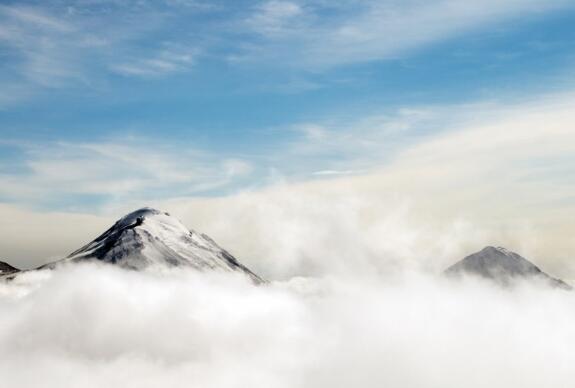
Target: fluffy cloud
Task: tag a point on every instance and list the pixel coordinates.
(94, 327)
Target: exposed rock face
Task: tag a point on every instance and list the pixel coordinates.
(6, 268)
(502, 266)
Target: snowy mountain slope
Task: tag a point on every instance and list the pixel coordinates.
(148, 237)
(501, 265)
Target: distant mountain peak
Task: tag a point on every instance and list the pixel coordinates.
(148, 237)
(501, 265)
(139, 215)
(6, 268)
(142, 212)
(501, 250)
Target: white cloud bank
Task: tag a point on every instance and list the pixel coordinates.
(89, 327)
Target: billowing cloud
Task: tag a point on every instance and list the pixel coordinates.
(95, 327)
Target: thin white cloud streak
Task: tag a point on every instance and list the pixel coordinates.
(82, 44)
(362, 31)
(360, 144)
(275, 18)
(31, 16)
(467, 132)
(95, 327)
(122, 167)
(169, 60)
(45, 62)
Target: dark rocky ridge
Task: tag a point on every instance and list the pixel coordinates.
(6, 268)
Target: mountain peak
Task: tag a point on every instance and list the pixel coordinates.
(501, 265)
(148, 237)
(500, 251)
(138, 216)
(490, 248)
(6, 268)
(141, 213)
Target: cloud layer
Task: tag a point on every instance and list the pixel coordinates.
(93, 327)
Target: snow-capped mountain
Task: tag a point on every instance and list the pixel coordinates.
(503, 266)
(148, 237)
(6, 268)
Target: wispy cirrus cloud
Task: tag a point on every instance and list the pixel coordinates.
(115, 169)
(317, 35)
(148, 168)
(38, 44)
(70, 44)
(167, 61)
(276, 18)
(73, 43)
(358, 144)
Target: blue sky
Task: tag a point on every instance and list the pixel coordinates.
(108, 100)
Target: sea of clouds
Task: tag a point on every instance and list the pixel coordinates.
(99, 326)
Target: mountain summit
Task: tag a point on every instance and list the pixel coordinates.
(148, 237)
(6, 268)
(502, 266)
